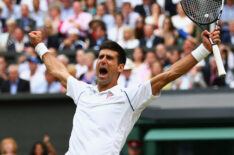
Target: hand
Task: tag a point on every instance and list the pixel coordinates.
(35, 37)
(46, 139)
(215, 36)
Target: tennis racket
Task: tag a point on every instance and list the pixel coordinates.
(204, 13)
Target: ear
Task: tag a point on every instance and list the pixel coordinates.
(120, 68)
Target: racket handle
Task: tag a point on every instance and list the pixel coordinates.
(218, 60)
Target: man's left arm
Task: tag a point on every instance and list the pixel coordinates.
(185, 64)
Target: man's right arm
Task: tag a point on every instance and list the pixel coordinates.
(53, 65)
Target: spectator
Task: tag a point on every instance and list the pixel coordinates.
(139, 29)
(90, 7)
(72, 70)
(167, 32)
(89, 76)
(26, 22)
(39, 148)
(37, 14)
(35, 75)
(79, 20)
(129, 41)
(50, 38)
(150, 40)
(145, 71)
(116, 33)
(10, 10)
(228, 37)
(80, 60)
(53, 86)
(101, 36)
(72, 42)
(138, 57)
(156, 69)
(43, 5)
(15, 84)
(134, 147)
(182, 22)
(228, 60)
(156, 17)
(162, 54)
(54, 18)
(20, 41)
(127, 79)
(3, 73)
(6, 39)
(9, 146)
(108, 17)
(64, 59)
(168, 6)
(66, 9)
(130, 17)
(227, 14)
(174, 56)
(53, 51)
(215, 80)
(144, 9)
(194, 78)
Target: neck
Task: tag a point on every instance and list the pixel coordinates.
(105, 87)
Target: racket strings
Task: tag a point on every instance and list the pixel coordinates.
(202, 11)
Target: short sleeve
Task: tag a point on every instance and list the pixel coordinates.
(141, 96)
(75, 88)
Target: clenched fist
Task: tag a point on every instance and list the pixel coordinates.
(35, 37)
(215, 36)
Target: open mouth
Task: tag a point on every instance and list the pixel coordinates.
(103, 72)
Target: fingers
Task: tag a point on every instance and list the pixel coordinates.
(215, 35)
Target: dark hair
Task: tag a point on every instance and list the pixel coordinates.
(111, 45)
(45, 150)
(102, 25)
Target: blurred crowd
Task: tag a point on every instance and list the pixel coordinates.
(8, 146)
(156, 33)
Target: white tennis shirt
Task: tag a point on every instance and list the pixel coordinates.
(103, 120)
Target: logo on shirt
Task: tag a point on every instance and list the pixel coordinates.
(109, 94)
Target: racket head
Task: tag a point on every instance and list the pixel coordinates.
(203, 12)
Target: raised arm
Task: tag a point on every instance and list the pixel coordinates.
(185, 64)
(53, 65)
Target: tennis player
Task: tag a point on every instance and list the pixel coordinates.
(106, 113)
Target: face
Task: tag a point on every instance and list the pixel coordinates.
(127, 35)
(100, 10)
(8, 148)
(134, 152)
(118, 20)
(2, 64)
(138, 54)
(155, 9)
(187, 47)
(148, 30)
(156, 68)
(39, 149)
(99, 32)
(174, 56)
(36, 4)
(32, 66)
(161, 51)
(13, 74)
(80, 57)
(77, 7)
(150, 58)
(66, 3)
(24, 10)
(126, 8)
(19, 34)
(108, 69)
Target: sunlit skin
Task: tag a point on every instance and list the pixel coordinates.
(108, 60)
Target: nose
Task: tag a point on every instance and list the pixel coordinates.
(103, 60)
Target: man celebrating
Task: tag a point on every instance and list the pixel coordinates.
(106, 113)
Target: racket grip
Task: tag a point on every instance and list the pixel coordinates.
(218, 60)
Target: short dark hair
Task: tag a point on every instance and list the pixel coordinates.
(111, 45)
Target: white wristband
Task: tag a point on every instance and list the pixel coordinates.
(41, 49)
(200, 53)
